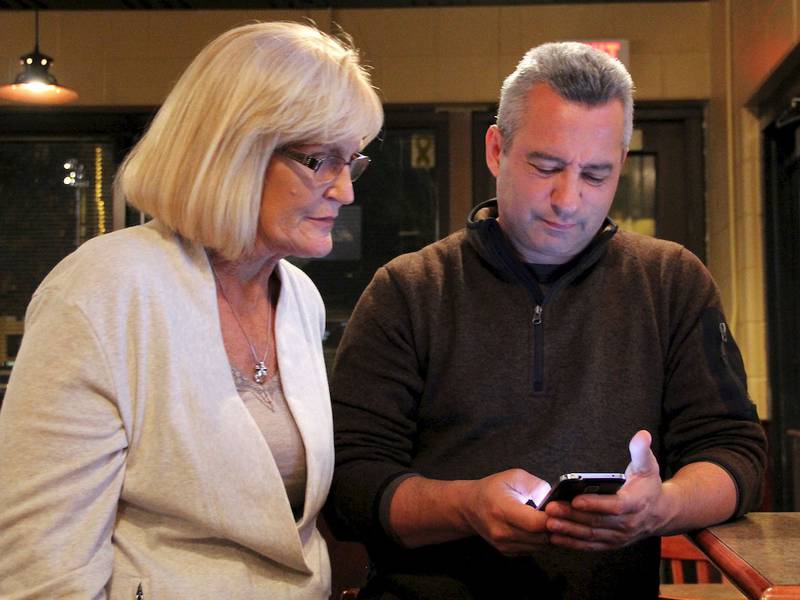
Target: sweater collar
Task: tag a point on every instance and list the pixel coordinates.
(490, 242)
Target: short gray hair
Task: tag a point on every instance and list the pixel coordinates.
(577, 72)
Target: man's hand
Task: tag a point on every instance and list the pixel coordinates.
(497, 511)
(700, 494)
(426, 511)
(597, 522)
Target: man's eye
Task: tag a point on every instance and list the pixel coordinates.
(593, 180)
(544, 170)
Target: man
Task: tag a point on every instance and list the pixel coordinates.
(538, 341)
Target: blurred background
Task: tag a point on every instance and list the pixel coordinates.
(713, 163)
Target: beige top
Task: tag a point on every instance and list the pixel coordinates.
(271, 413)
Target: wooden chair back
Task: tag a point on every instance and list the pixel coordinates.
(707, 583)
(676, 550)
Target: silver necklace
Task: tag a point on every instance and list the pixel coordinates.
(260, 371)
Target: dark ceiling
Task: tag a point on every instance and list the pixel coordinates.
(275, 4)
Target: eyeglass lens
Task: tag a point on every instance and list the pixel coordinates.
(331, 166)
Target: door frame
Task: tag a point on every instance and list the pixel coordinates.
(781, 260)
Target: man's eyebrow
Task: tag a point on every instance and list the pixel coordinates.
(597, 167)
(536, 154)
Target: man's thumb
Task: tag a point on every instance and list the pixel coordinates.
(643, 461)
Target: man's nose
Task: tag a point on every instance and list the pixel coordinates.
(565, 196)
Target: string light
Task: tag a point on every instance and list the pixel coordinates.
(99, 202)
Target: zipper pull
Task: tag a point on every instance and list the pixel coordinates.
(538, 349)
(139, 592)
(723, 332)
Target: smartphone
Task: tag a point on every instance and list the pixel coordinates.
(572, 484)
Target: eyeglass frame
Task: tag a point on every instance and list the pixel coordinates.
(315, 162)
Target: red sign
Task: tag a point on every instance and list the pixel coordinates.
(616, 48)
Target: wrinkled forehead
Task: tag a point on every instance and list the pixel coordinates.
(549, 114)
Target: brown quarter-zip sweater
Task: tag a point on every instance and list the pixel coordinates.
(456, 365)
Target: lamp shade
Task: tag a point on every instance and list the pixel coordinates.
(35, 84)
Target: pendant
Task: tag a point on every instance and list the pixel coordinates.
(260, 372)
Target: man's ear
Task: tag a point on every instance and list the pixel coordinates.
(494, 147)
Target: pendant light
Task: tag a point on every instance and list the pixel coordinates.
(35, 84)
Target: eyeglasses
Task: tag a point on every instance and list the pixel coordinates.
(327, 168)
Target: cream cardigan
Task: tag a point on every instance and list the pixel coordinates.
(126, 454)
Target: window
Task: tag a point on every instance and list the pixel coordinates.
(55, 193)
(56, 169)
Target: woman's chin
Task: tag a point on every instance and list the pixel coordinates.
(320, 250)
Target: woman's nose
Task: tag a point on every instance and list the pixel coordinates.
(341, 188)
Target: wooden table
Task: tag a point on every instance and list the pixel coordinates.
(759, 553)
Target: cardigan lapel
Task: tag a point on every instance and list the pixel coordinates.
(305, 386)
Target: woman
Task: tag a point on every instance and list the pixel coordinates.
(166, 432)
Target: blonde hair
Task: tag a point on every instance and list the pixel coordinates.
(200, 166)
